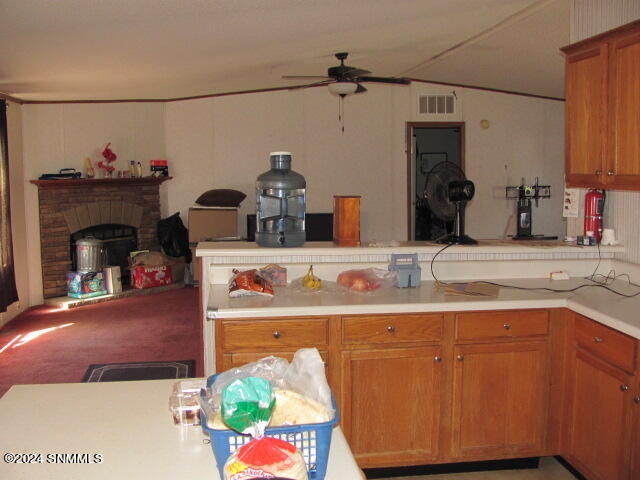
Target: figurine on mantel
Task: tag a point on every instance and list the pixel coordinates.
(109, 158)
(89, 168)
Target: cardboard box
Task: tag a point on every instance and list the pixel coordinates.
(210, 223)
(147, 277)
(177, 269)
(86, 285)
(113, 279)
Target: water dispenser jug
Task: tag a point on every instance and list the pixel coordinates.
(280, 204)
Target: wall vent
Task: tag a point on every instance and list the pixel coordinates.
(437, 104)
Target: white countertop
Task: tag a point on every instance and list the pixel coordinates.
(128, 423)
(615, 311)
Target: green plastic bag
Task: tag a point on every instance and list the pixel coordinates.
(247, 405)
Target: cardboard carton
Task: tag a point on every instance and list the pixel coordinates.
(211, 223)
(147, 277)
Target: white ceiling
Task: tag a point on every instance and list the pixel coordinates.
(163, 49)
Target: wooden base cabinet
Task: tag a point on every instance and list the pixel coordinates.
(601, 417)
(499, 400)
(603, 388)
(391, 404)
(635, 446)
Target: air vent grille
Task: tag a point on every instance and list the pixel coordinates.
(438, 104)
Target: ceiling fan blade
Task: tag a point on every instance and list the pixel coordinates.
(360, 89)
(345, 72)
(400, 81)
(306, 76)
(357, 72)
(321, 82)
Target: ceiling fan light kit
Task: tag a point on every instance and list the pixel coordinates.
(342, 88)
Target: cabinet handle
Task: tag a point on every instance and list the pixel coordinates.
(437, 358)
(391, 329)
(625, 388)
(506, 326)
(598, 173)
(636, 399)
(277, 334)
(611, 173)
(460, 358)
(598, 339)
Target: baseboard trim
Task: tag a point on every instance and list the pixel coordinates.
(510, 464)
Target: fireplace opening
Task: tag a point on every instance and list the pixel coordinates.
(119, 241)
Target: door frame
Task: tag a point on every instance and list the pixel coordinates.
(410, 160)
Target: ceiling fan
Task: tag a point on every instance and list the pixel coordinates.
(344, 80)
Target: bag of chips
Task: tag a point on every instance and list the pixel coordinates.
(247, 405)
(249, 282)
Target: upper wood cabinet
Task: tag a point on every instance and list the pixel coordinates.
(603, 110)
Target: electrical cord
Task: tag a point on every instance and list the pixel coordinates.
(596, 284)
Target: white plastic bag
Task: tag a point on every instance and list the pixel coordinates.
(305, 376)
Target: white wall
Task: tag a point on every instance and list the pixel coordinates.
(228, 140)
(18, 224)
(224, 142)
(59, 136)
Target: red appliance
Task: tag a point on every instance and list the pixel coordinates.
(593, 210)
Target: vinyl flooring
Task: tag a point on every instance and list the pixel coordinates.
(549, 469)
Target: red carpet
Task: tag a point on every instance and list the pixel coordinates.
(46, 345)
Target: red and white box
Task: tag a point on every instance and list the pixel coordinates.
(147, 277)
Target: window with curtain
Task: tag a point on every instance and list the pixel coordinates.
(8, 291)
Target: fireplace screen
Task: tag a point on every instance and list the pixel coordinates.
(119, 241)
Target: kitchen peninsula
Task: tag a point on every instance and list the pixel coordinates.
(451, 378)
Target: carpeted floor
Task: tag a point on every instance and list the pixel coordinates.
(45, 345)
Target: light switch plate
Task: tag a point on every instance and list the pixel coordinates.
(570, 201)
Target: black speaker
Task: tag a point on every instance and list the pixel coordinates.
(318, 227)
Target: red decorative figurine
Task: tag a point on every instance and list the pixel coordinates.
(109, 157)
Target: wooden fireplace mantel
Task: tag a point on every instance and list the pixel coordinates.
(85, 182)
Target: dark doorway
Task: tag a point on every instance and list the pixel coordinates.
(429, 144)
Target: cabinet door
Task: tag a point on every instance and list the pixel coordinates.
(601, 416)
(624, 93)
(391, 404)
(635, 447)
(499, 399)
(585, 108)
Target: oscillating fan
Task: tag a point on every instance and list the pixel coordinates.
(446, 193)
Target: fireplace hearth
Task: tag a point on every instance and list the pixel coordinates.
(70, 208)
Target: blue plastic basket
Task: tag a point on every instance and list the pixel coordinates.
(313, 440)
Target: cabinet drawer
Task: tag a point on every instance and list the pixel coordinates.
(261, 335)
(611, 346)
(233, 360)
(359, 329)
(506, 324)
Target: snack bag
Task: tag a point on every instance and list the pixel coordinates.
(249, 282)
(247, 405)
(266, 457)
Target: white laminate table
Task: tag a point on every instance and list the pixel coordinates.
(128, 424)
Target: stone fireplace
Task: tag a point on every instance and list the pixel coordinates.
(68, 207)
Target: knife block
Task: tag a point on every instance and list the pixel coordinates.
(346, 220)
